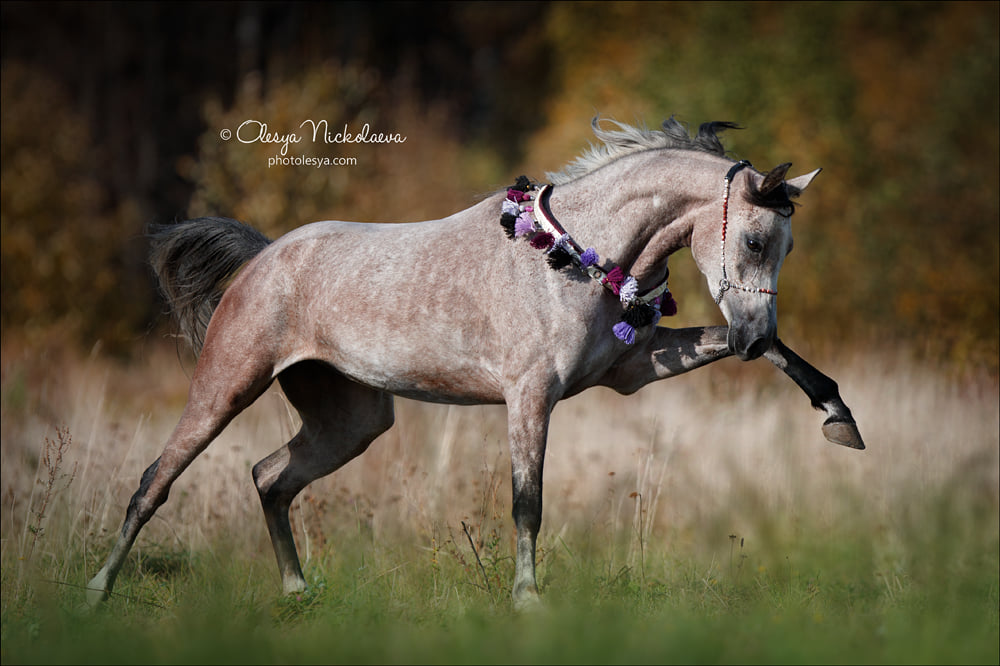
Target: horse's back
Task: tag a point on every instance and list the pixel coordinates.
(385, 304)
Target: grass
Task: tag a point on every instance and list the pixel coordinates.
(701, 520)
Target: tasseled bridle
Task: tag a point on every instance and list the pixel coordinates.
(521, 218)
(534, 221)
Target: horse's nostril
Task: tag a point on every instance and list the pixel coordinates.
(747, 351)
(756, 349)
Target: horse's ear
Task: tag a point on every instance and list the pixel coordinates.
(774, 178)
(798, 184)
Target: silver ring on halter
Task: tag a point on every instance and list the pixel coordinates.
(724, 286)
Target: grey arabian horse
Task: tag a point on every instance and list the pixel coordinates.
(494, 304)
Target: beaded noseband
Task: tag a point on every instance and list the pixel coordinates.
(725, 284)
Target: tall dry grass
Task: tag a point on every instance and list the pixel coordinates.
(733, 449)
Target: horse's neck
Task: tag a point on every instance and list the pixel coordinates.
(636, 211)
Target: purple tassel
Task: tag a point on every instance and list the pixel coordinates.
(624, 332)
(524, 225)
(542, 241)
(588, 258)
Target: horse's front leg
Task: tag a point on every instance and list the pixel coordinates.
(670, 352)
(674, 351)
(527, 424)
(839, 427)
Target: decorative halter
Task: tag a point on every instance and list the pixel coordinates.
(520, 218)
(725, 284)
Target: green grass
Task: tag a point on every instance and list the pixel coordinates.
(817, 598)
(692, 535)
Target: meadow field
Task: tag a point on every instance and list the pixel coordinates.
(704, 519)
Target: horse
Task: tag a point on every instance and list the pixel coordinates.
(496, 304)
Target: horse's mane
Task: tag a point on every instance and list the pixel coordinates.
(628, 139)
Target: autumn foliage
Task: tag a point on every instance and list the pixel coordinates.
(897, 242)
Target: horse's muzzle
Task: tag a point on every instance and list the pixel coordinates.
(747, 346)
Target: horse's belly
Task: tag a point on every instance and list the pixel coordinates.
(415, 366)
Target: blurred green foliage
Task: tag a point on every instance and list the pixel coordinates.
(897, 242)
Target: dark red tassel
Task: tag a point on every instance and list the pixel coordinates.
(517, 196)
(542, 241)
(668, 306)
(614, 279)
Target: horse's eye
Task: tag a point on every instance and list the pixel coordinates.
(755, 245)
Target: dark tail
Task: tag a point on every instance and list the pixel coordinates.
(195, 261)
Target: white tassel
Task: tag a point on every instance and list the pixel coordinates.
(629, 290)
(511, 207)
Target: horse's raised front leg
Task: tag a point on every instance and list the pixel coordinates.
(527, 425)
(670, 352)
(839, 427)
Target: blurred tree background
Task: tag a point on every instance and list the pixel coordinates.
(112, 113)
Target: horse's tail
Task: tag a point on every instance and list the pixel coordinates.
(195, 261)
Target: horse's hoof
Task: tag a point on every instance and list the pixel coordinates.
(528, 605)
(843, 433)
(97, 590)
(528, 602)
(84, 609)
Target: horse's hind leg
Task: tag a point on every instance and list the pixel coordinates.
(340, 418)
(222, 387)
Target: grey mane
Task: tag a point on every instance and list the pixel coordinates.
(628, 139)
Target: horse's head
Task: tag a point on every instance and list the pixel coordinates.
(740, 248)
